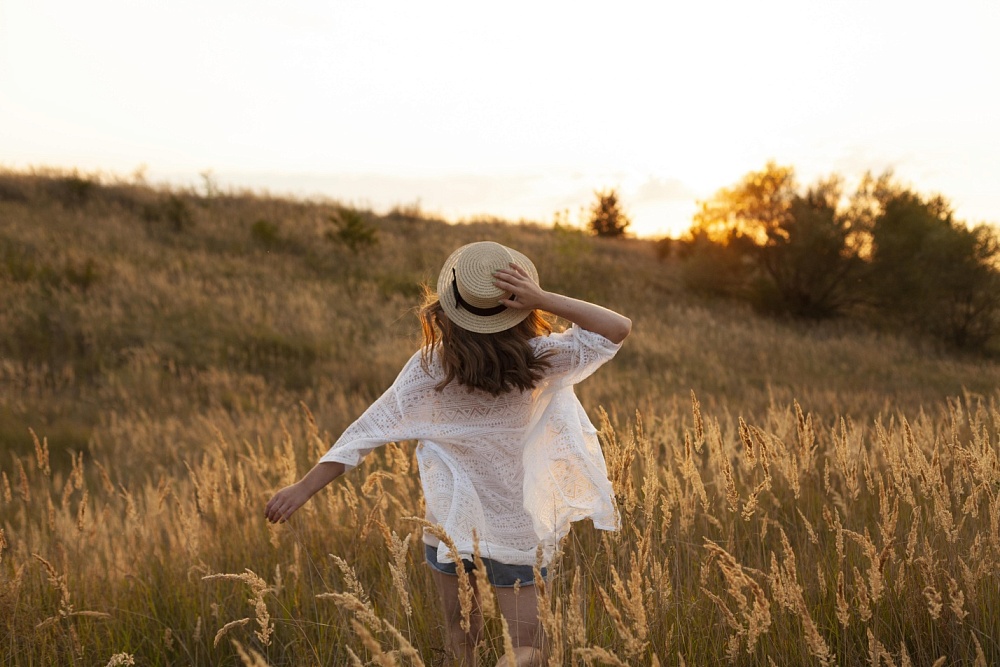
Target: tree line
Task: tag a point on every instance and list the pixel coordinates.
(883, 252)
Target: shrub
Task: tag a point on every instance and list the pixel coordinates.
(82, 275)
(75, 190)
(820, 254)
(352, 230)
(933, 273)
(13, 189)
(607, 218)
(265, 233)
(171, 209)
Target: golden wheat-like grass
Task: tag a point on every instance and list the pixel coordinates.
(788, 496)
(831, 570)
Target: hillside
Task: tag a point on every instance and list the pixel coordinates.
(789, 494)
(121, 299)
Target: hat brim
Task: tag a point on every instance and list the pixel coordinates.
(509, 317)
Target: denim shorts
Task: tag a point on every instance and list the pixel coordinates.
(499, 574)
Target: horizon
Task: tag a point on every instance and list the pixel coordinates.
(469, 111)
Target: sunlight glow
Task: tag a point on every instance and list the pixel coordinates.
(517, 112)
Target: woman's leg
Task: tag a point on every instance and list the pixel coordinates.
(520, 611)
(461, 644)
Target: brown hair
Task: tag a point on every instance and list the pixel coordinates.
(495, 363)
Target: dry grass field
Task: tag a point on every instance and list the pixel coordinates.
(791, 494)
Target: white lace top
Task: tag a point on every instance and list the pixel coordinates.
(518, 468)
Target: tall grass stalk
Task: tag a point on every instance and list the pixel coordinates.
(796, 495)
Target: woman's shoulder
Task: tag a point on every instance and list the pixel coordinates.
(414, 363)
(422, 365)
(414, 379)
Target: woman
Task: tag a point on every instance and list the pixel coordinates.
(505, 449)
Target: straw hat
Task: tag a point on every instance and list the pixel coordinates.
(466, 291)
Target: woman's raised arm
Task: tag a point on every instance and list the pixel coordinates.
(527, 294)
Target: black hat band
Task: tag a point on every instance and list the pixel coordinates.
(465, 305)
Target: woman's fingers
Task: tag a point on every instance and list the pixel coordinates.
(516, 268)
(279, 508)
(525, 293)
(516, 272)
(510, 277)
(516, 292)
(514, 303)
(505, 284)
(279, 514)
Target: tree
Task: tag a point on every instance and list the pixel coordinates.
(817, 253)
(798, 249)
(607, 218)
(754, 207)
(933, 273)
(810, 257)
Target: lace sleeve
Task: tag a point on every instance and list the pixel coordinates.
(381, 423)
(575, 354)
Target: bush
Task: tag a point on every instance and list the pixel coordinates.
(74, 190)
(265, 233)
(607, 218)
(12, 189)
(934, 274)
(820, 254)
(352, 230)
(83, 275)
(710, 267)
(20, 263)
(171, 209)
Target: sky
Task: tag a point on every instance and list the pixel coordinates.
(516, 110)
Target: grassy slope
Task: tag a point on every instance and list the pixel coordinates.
(175, 346)
(109, 306)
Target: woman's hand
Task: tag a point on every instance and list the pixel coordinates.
(525, 292)
(284, 503)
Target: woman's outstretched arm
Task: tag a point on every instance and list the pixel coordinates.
(590, 316)
(284, 503)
